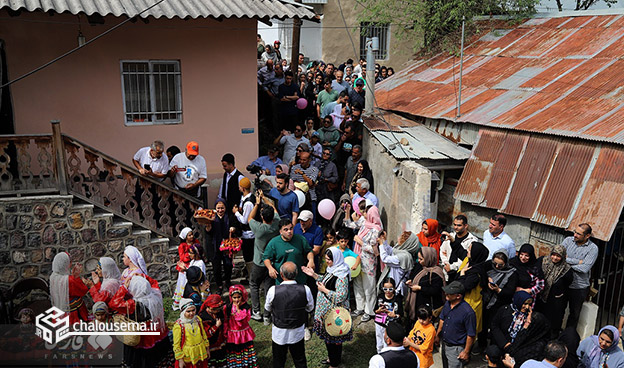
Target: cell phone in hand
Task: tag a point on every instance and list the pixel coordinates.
(147, 167)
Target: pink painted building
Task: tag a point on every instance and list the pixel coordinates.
(179, 71)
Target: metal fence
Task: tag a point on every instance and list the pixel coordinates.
(609, 278)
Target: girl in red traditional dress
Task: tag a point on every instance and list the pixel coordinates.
(67, 290)
(136, 266)
(184, 252)
(212, 313)
(240, 336)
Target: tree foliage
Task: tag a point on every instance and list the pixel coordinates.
(430, 23)
(585, 4)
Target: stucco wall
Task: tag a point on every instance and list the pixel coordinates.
(404, 198)
(218, 67)
(337, 47)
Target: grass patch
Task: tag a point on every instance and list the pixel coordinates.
(355, 353)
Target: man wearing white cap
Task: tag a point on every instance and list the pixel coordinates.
(312, 232)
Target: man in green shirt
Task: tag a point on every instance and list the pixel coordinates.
(263, 232)
(287, 247)
(325, 96)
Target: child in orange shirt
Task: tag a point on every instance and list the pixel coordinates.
(421, 337)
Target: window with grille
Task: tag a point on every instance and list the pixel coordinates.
(381, 31)
(151, 92)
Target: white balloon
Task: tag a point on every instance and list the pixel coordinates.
(301, 197)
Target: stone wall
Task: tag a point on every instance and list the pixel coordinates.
(34, 229)
(404, 197)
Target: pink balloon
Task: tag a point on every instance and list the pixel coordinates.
(302, 103)
(327, 208)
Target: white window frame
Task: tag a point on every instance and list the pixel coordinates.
(381, 42)
(153, 93)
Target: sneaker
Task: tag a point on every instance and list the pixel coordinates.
(356, 313)
(308, 335)
(267, 321)
(366, 318)
(256, 316)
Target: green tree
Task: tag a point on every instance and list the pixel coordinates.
(429, 23)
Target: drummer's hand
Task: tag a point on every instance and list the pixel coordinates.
(354, 267)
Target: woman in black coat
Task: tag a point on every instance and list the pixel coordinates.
(502, 281)
(530, 277)
(558, 276)
(520, 331)
(218, 230)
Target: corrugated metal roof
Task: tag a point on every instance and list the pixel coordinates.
(554, 181)
(422, 143)
(560, 76)
(263, 9)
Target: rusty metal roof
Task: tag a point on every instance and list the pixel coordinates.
(560, 76)
(555, 181)
(262, 9)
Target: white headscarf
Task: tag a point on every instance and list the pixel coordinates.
(151, 299)
(339, 268)
(185, 232)
(185, 303)
(136, 258)
(99, 307)
(111, 274)
(59, 281)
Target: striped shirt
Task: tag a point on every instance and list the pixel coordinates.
(311, 172)
(588, 253)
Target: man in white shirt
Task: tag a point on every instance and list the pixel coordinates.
(495, 238)
(242, 211)
(150, 161)
(362, 186)
(394, 355)
(188, 170)
(454, 249)
(289, 304)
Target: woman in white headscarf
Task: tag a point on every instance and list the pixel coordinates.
(399, 260)
(67, 290)
(133, 259)
(143, 303)
(333, 292)
(106, 280)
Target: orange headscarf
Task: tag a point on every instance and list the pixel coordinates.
(433, 240)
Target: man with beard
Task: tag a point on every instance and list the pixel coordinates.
(288, 247)
(287, 201)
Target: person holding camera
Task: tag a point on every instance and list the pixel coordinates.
(264, 231)
(269, 162)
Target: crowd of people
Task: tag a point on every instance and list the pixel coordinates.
(311, 92)
(310, 233)
(320, 273)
